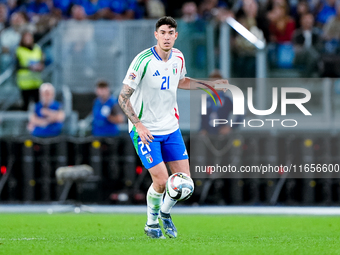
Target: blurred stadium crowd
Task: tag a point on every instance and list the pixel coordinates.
(300, 33)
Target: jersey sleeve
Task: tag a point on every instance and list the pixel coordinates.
(183, 70)
(135, 72)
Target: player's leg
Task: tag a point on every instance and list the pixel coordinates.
(180, 166)
(159, 175)
(168, 202)
(175, 153)
(151, 158)
(175, 167)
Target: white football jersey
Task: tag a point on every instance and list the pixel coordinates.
(155, 83)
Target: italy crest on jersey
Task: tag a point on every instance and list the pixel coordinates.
(174, 68)
(149, 158)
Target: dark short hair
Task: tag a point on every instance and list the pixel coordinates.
(102, 84)
(166, 20)
(23, 36)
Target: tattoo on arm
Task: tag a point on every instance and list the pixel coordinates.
(125, 104)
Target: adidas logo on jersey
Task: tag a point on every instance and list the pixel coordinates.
(156, 73)
(185, 153)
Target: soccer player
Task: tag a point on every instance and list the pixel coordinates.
(148, 98)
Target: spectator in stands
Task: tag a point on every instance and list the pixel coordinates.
(3, 16)
(307, 45)
(62, 8)
(95, 9)
(78, 13)
(331, 30)
(325, 11)
(119, 10)
(301, 9)
(190, 22)
(189, 12)
(253, 9)
(155, 9)
(271, 4)
(37, 7)
(243, 50)
(40, 14)
(281, 25)
(331, 33)
(140, 10)
(330, 59)
(212, 9)
(10, 37)
(106, 112)
(193, 27)
(78, 41)
(30, 64)
(14, 6)
(281, 29)
(48, 117)
(250, 11)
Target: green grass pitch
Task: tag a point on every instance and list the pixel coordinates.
(123, 234)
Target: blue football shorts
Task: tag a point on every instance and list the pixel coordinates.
(163, 148)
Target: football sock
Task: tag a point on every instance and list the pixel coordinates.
(168, 203)
(154, 201)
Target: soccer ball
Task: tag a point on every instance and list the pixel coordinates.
(179, 186)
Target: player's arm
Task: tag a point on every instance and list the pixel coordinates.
(125, 104)
(189, 83)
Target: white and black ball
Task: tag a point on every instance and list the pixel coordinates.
(180, 186)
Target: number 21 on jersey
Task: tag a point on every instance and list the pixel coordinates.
(144, 150)
(165, 83)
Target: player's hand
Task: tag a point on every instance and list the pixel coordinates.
(220, 82)
(144, 133)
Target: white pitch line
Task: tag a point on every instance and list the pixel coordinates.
(22, 239)
(206, 210)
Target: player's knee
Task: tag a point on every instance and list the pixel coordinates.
(159, 186)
